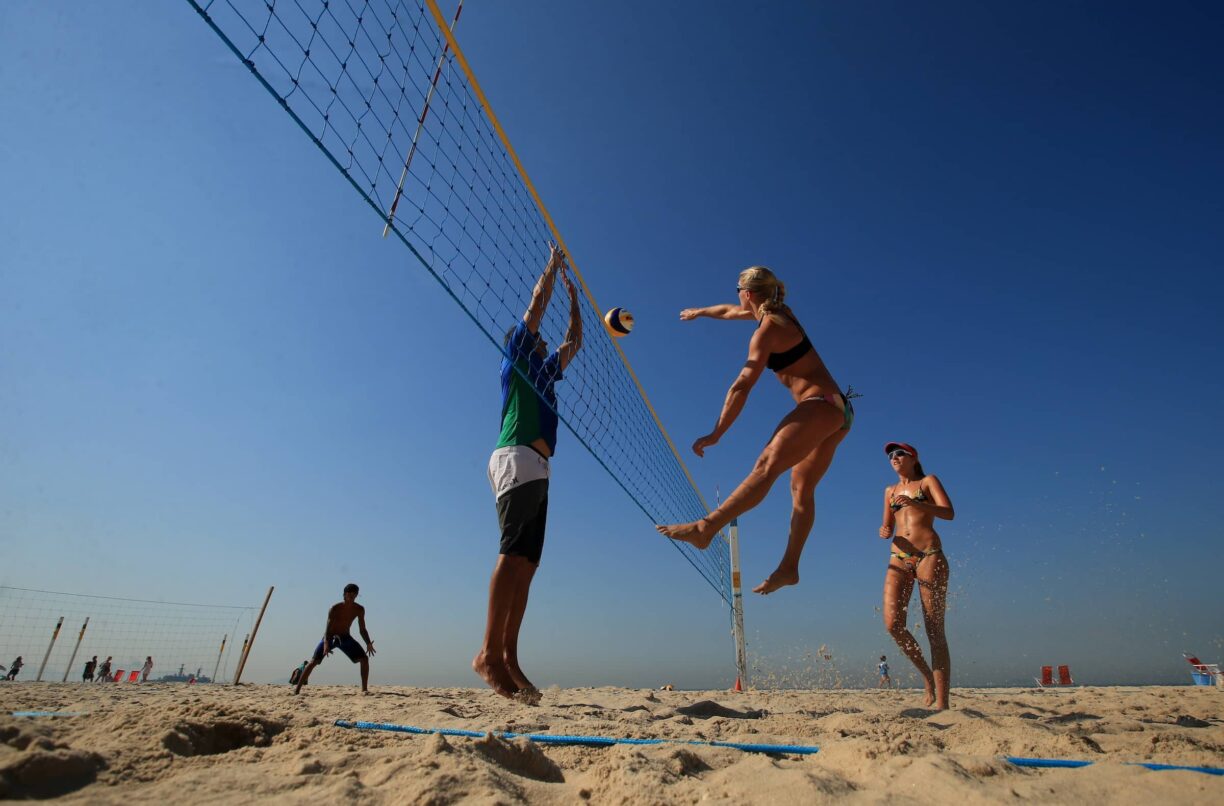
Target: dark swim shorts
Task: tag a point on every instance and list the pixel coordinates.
(522, 513)
(345, 644)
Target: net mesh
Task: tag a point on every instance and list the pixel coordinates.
(355, 76)
(182, 639)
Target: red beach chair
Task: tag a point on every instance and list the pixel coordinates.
(133, 676)
(1064, 676)
(1047, 677)
(118, 676)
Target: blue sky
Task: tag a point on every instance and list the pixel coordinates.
(1001, 224)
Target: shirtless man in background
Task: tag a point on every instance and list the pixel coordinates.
(336, 636)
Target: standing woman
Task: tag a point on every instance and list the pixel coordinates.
(911, 507)
(806, 439)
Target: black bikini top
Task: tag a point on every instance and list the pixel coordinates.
(784, 359)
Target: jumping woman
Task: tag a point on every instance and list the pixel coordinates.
(806, 439)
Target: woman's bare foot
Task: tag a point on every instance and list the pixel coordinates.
(780, 578)
(494, 674)
(930, 696)
(697, 533)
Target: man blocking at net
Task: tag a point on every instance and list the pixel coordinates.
(519, 471)
(336, 636)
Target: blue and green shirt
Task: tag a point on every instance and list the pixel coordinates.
(528, 409)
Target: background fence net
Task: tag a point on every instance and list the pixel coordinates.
(182, 639)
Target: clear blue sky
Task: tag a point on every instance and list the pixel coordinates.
(1001, 224)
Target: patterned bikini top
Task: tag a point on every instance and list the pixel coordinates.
(918, 496)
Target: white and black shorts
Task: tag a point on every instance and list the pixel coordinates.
(519, 478)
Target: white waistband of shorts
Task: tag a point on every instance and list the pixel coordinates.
(520, 450)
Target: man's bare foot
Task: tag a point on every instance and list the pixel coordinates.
(778, 579)
(930, 696)
(697, 533)
(516, 674)
(529, 695)
(365, 692)
(496, 676)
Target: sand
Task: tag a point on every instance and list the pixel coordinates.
(173, 742)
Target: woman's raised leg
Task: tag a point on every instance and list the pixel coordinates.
(799, 434)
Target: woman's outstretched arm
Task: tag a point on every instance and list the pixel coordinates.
(730, 311)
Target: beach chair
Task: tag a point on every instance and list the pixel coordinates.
(133, 676)
(1047, 677)
(118, 676)
(1204, 674)
(1064, 676)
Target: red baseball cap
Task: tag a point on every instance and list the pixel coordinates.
(901, 446)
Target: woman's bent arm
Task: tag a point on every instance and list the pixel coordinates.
(737, 395)
(889, 521)
(940, 504)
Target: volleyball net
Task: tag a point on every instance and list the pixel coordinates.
(56, 633)
(382, 88)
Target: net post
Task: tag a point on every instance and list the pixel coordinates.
(72, 660)
(737, 607)
(54, 636)
(219, 654)
(246, 650)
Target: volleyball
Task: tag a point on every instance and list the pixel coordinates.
(619, 322)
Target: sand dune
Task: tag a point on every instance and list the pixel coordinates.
(172, 742)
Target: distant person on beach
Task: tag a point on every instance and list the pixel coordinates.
(336, 635)
(910, 509)
(803, 443)
(885, 680)
(144, 670)
(14, 668)
(518, 473)
(90, 665)
(103, 674)
(296, 674)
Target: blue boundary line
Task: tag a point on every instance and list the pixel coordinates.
(590, 741)
(795, 749)
(1020, 761)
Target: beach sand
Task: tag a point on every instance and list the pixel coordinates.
(173, 742)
